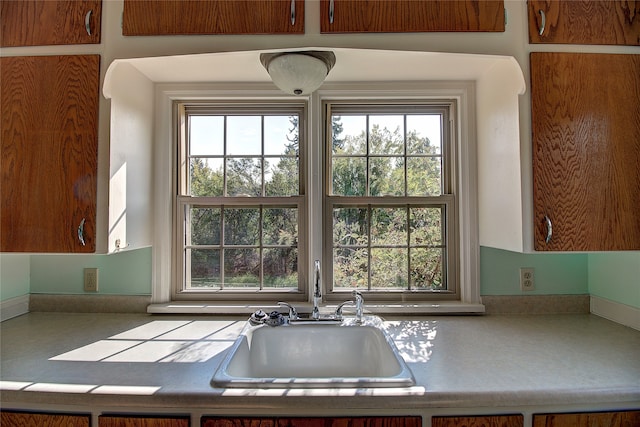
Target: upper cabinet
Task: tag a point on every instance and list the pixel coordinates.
(49, 147)
(50, 22)
(382, 16)
(586, 151)
(173, 17)
(598, 22)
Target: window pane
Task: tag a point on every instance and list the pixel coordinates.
(386, 176)
(241, 227)
(205, 226)
(427, 268)
(242, 268)
(205, 268)
(281, 135)
(280, 226)
(206, 177)
(281, 177)
(389, 269)
(244, 177)
(424, 134)
(281, 268)
(206, 135)
(350, 268)
(350, 227)
(424, 176)
(349, 134)
(386, 134)
(426, 226)
(349, 176)
(244, 135)
(389, 227)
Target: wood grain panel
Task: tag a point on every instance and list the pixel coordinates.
(480, 421)
(24, 419)
(371, 16)
(586, 150)
(142, 421)
(49, 109)
(173, 17)
(313, 422)
(599, 22)
(49, 22)
(602, 419)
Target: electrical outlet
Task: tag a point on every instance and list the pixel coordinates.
(91, 280)
(526, 279)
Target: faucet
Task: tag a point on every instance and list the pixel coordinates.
(293, 314)
(338, 314)
(317, 293)
(359, 305)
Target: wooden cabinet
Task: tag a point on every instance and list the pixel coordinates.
(313, 422)
(380, 16)
(172, 17)
(594, 419)
(586, 151)
(479, 421)
(49, 22)
(142, 421)
(28, 419)
(49, 145)
(609, 22)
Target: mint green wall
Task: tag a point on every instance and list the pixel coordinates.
(14, 275)
(615, 276)
(554, 274)
(124, 273)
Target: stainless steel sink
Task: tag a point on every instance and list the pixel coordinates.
(314, 354)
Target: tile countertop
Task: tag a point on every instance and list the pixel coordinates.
(130, 360)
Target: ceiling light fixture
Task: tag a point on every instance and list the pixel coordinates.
(298, 73)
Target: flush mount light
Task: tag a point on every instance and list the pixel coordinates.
(298, 73)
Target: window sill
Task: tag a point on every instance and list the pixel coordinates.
(207, 307)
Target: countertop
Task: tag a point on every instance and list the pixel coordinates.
(131, 360)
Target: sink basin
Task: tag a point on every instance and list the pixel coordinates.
(314, 354)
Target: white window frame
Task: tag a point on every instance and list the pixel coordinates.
(462, 92)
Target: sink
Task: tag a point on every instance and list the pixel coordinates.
(314, 354)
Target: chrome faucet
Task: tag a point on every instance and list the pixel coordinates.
(359, 305)
(317, 293)
(338, 313)
(293, 314)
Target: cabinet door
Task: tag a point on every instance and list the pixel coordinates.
(612, 22)
(479, 421)
(600, 419)
(384, 16)
(142, 421)
(50, 22)
(313, 422)
(586, 151)
(151, 17)
(26, 419)
(49, 151)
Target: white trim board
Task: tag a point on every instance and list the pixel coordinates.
(14, 307)
(615, 311)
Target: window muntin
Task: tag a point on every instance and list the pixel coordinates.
(240, 201)
(389, 202)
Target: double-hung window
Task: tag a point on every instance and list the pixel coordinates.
(389, 201)
(240, 203)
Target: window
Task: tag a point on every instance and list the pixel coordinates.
(389, 201)
(387, 191)
(240, 204)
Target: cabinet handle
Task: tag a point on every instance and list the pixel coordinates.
(547, 220)
(543, 22)
(87, 22)
(330, 11)
(293, 12)
(81, 232)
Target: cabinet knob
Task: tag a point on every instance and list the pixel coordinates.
(547, 221)
(87, 22)
(543, 22)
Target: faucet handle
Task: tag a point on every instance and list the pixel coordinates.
(338, 313)
(293, 314)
